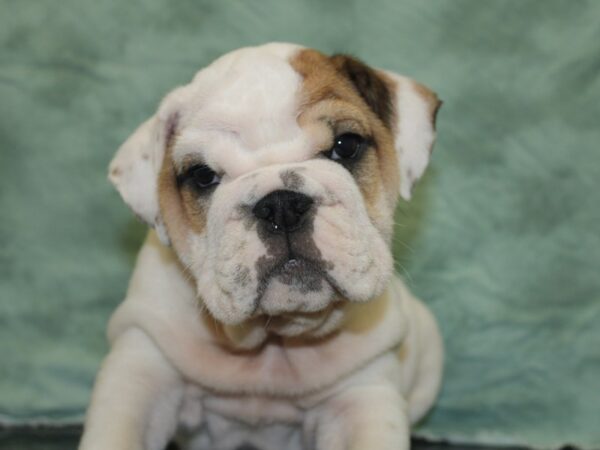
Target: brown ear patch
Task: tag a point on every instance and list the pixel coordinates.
(328, 92)
(371, 87)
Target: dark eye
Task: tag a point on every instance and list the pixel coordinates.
(202, 176)
(346, 146)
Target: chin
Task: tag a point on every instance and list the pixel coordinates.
(296, 303)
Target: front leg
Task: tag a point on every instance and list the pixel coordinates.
(135, 400)
(361, 418)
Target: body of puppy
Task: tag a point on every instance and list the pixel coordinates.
(263, 310)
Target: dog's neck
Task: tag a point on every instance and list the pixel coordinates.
(256, 333)
(164, 304)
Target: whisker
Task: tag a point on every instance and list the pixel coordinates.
(267, 322)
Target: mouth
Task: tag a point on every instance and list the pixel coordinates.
(299, 273)
(293, 286)
(294, 324)
(272, 328)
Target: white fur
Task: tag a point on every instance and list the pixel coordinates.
(389, 346)
(415, 133)
(134, 170)
(343, 233)
(244, 111)
(171, 368)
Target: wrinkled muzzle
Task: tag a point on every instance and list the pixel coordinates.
(285, 240)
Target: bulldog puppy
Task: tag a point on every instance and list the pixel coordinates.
(263, 311)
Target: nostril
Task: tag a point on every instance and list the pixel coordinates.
(302, 204)
(263, 211)
(282, 210)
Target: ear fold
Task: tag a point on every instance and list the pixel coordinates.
(135, 167)
(416, 109)
(406, 107)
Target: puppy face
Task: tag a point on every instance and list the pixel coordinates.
(274, 175)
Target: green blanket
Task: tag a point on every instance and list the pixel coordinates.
(502, 239)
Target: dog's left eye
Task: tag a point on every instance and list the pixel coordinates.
(346, 146)
(203, 176)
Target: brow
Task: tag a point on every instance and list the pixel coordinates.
(338, 105)
(188, 161)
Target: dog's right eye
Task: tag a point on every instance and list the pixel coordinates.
(202, 176)
(346, 147)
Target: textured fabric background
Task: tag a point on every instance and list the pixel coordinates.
(502, 239)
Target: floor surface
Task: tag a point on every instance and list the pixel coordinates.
(67, 438)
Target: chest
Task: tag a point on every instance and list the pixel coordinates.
(209, 420)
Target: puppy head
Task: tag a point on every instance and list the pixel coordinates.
(274, 175)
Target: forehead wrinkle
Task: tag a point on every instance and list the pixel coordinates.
(272, 131)
(208, 147)
(248, 117)
(255, 97)
(239, 164)
(296, 149)
(227, 155)
(239, 153)
(227, 139)
(225, 151)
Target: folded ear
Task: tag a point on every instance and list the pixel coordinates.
(416, 108)
(406, 107)
(135, 167)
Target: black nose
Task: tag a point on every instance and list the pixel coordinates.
(283, 210)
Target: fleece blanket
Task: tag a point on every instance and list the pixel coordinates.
(501, 240)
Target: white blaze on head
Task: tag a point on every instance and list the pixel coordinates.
(243, 111)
